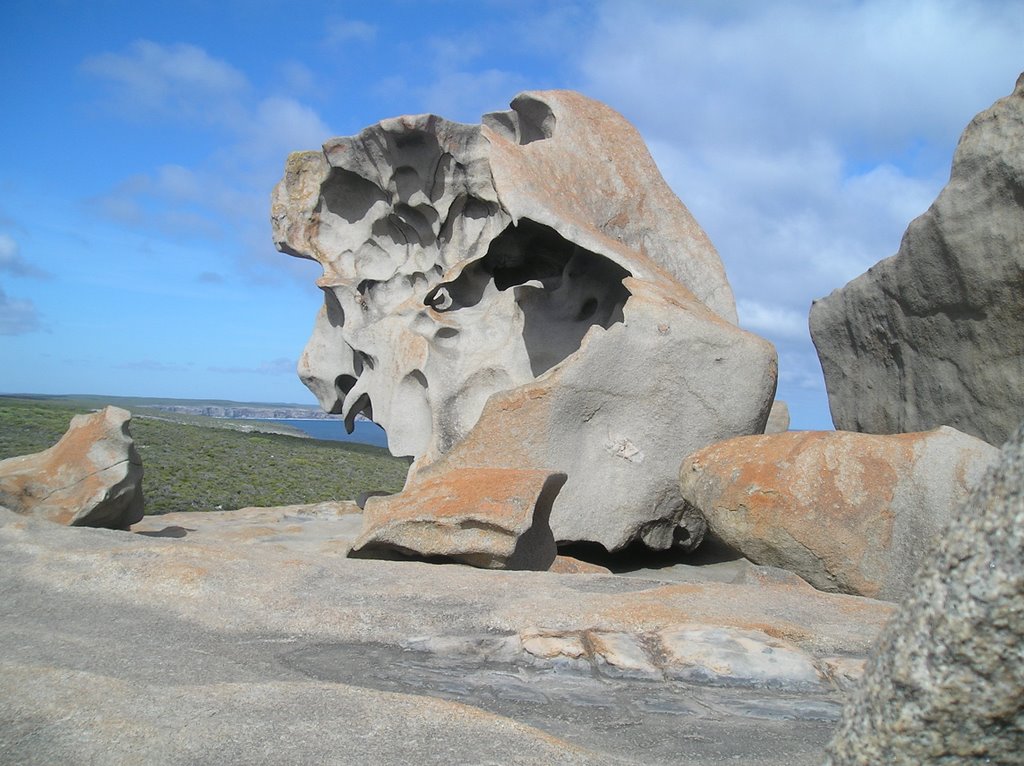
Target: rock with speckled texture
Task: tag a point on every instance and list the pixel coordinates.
(946, 683)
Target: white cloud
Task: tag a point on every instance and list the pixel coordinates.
(18, 316)
(12, 263)
(804, 136)
(874, 75)
(342, 31)
(279, 366)
(296, 77)
(223, 198)
(768, 319)
(180, 81)
(465, 96)
(282, 125)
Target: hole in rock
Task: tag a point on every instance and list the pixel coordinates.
(342, 384)
(446, 333)
(419, 219)
(407, 179)
(587, 310)
(365, 360)
(349, 195)
(335, 311)
(536, 120)
(361, 406)
(638, 556)
(562, 289)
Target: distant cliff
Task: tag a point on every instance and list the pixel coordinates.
(245, 412)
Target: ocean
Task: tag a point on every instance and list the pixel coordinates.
(365, 432)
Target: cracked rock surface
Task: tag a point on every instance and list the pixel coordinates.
(248, 636)
(92, 477)
(946, 681)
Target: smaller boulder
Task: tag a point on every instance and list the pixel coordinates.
(492, 518)
(778, 418)
(92, 477)
(848, 512)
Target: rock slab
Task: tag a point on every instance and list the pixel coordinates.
(92, 477)
(848, 512)
(490, 518)
(946, 681)
(935, 334)
(254, 615)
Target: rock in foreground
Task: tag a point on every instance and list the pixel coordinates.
(530, 285)
(257, 616)
(946, 683)
(935, 335)
(92, 477)
(847, 512)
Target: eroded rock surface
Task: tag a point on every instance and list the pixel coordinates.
(532, 286)
(252, 615)
(848, 512)
(92, 477)
(491, 518)
(946, 682)
(935, 334)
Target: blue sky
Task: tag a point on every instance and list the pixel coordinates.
(140, 142)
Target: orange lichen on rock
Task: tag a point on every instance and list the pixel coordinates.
(91, 477)
(847, 512)
(487, 517)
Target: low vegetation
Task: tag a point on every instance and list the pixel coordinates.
(192, 467)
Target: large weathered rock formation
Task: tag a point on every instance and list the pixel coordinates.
(92, 477)
(532, 288)
(946, 682)
(848, 512)
(935, 335)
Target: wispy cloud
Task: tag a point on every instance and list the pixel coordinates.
(154, 365)
(279, 125)
(803, 136)
(178, 81)
(772, 320)
(341, 31)
(12, 263)
(868, 74)
(223, 198)
(18, 316)
(280, 366)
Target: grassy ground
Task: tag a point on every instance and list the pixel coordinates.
(192, 467)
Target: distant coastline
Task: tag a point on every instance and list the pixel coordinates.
(333, 429)
(290, 419)
(244, 412)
